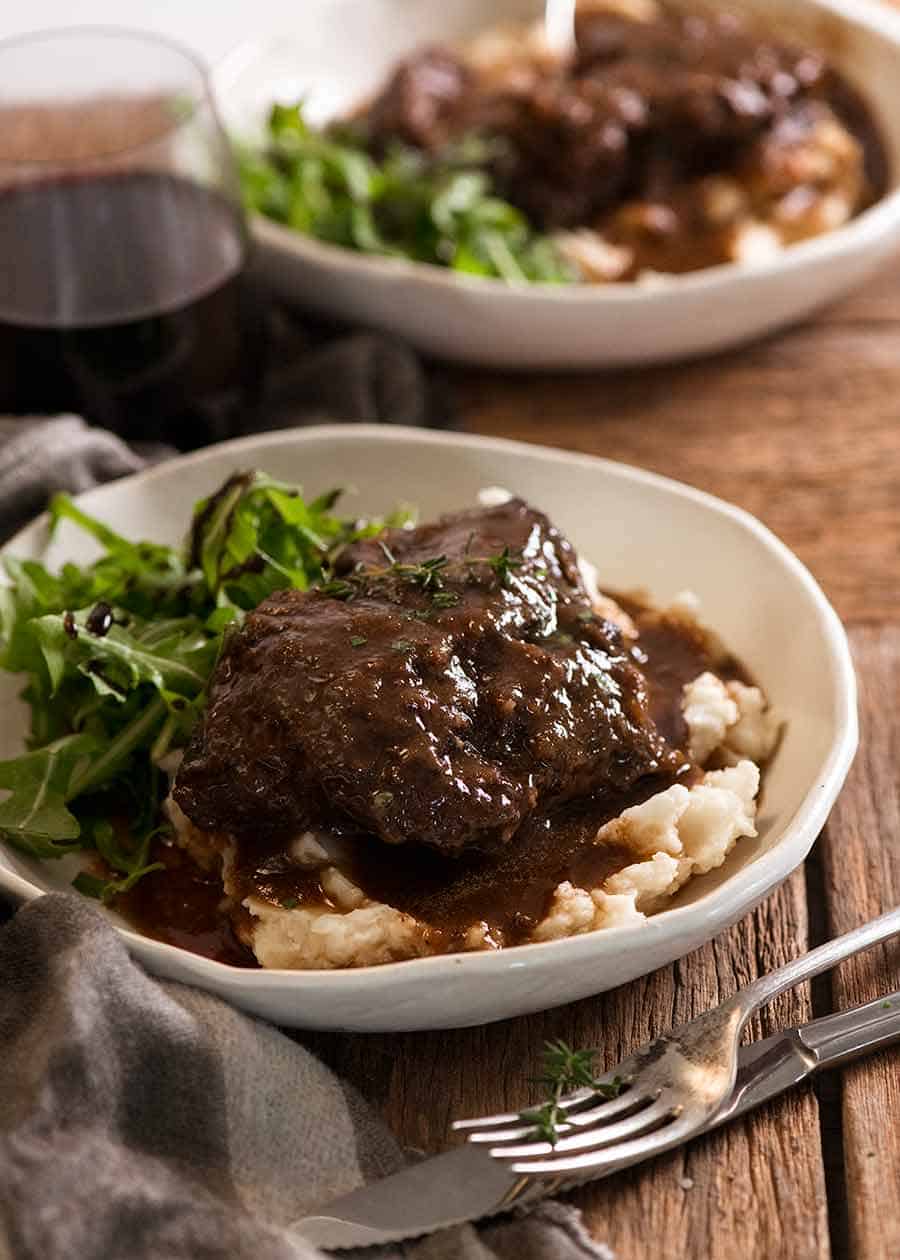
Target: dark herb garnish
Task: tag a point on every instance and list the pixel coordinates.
(445, 599)
(337, 588)
(358, 640)
(430, 576)
(426, 574)
(565, 1070)
(504, 565)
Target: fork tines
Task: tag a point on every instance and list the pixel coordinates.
(594, 1132)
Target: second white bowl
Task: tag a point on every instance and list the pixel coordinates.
(338, 53)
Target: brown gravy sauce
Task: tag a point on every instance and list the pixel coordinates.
(622, 139)
(508, 892)
(182, 906)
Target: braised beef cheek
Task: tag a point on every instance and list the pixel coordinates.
(644, 107)
(442, 710)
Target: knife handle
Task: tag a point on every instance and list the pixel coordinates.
(839, 1038)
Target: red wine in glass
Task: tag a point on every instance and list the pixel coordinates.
(124, 287)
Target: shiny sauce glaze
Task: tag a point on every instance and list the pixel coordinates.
(183, 905)
(449, 682)
(624, 137)
(508, 890)
(301, 733)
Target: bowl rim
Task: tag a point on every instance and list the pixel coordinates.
(719, 908)
(871, 224)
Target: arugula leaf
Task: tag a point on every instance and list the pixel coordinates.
(441, 210)
(175, 658)
(35, 817)
(130, 859)
(117, 655)
(217, 530)
(116, 754)
(258, 535)
(62, 507)
(106, 890)
(288, 121)
(145, 578)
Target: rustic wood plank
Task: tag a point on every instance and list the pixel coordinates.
(754, 1187)
(802, 431)
(861, 860)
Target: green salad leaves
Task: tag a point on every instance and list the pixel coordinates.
(117, 655)
(440, 210)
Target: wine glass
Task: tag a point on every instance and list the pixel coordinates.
(124, 286)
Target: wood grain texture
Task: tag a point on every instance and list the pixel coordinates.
(804, 431)
(757, 1187)
(861, 860)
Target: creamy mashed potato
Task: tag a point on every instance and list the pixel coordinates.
(674, 835)
(791, 185)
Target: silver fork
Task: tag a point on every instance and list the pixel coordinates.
(667, 1091)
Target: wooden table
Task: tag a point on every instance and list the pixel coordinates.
(804, 431)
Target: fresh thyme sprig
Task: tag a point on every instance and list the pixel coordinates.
(427, 575)
(565, 1070)
(503, 565)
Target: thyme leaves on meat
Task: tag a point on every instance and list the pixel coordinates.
(564, 1071)
(445, 599)
(504, 564)
(338, 588)
(429, 576)
(118, 654)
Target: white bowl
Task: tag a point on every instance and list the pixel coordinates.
(641, 530)
(338, 53)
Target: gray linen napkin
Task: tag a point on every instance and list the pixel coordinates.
(149, 1121)
(38, 456)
